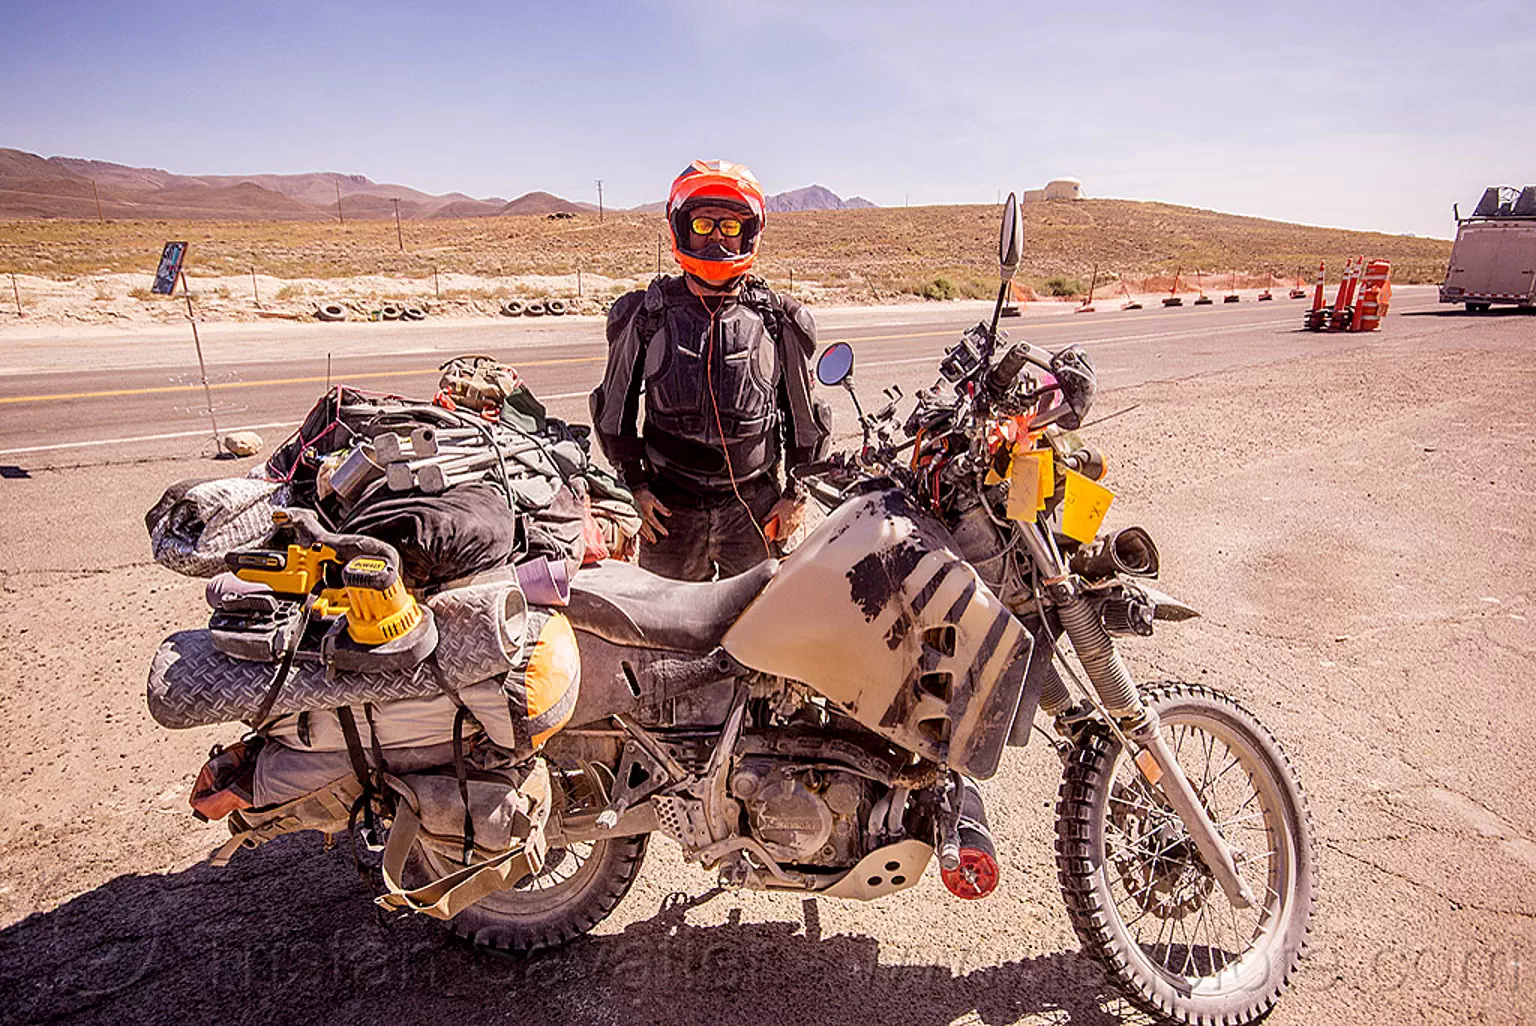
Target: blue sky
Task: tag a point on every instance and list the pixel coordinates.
(1320, 113)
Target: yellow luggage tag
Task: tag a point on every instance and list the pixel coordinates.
(1031, 480)
(1084, 506)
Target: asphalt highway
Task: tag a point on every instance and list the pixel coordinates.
(135, 399)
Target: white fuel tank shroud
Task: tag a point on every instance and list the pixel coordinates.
(878, 613)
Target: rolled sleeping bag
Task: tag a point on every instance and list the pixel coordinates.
(197, 523)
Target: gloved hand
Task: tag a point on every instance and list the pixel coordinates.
(651, 512)
(784, 518)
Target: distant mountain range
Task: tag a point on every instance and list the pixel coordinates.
(32, 186)
(813, 197)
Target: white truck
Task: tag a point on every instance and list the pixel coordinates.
(1494, 259)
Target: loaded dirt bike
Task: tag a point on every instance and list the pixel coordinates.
(820, 724)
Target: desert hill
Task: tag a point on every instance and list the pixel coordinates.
(543, 203)
(870, 253)
(813, 197)
(33, 186)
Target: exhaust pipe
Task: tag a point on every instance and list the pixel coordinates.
(1129, 551)
(968, 858)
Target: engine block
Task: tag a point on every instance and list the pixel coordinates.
(803, 815)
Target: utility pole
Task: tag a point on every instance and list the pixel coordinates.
(599, 201)
(17, 293)
(398, 234)
(99, 216)
(339, 216)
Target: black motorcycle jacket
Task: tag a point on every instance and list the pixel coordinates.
(725, 383)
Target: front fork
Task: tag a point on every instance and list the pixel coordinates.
(1118, 696)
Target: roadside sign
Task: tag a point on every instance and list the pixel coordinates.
(170, 268)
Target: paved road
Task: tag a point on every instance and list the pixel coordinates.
(148, 391)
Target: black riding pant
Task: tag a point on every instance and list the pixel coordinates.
(711, 533)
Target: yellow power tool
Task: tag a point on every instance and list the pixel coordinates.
(354, 580)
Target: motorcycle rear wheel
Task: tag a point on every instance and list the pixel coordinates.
(578, 887)
(1139, 896)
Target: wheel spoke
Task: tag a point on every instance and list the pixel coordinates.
(1205, 769)
(1231, 820)
(1235, 761)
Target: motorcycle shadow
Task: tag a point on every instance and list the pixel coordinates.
(288, 935)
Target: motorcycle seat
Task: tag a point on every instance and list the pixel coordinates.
(626, 605)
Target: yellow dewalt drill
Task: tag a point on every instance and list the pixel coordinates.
(355, 584)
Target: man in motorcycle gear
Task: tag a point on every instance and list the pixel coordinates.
(723, 365)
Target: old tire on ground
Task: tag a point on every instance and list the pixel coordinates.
(414, 313)
(555, 307)
(391, 312)
(534, 309)
(330, 312)
(1128, 871)
(512, 308)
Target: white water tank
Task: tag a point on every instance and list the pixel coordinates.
(1064, 189)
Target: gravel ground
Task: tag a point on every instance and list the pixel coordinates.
(1356, 529)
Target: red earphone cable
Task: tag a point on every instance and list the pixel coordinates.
(709, 380)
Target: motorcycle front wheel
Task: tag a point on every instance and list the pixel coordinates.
(1139, 896)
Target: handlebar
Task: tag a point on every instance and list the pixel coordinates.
(980, 381)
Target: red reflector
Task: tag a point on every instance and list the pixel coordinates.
(975, 876)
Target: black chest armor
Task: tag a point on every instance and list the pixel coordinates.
(691, 356)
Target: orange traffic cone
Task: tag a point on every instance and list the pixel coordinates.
(1203, 299)
(1317, 317)
(1130, 301)
(1343, 304)
(1017, 299)
(1173, 298)
(1087, 306)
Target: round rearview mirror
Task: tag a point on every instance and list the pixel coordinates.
(835, 365)
(1010, 241)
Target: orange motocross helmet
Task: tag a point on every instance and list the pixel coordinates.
(715, 183)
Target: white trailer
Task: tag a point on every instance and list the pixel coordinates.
(1494, 259)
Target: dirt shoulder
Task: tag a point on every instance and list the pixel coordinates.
(1355, 528)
